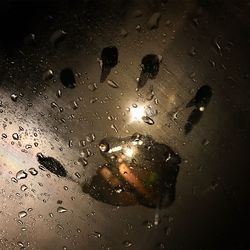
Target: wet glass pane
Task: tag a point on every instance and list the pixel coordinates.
(124, 124)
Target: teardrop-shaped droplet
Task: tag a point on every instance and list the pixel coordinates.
(61, 210)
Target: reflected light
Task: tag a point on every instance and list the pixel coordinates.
(129, 152)
(137, 113)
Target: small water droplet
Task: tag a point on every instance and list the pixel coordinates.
(148, 120)
(48, 75)
(127, 243)
(61, 210)
(113, 126)
(22, 214)
(14, 179)
(104, 147)
(15, 136)
(113, 84)
(59, 93)
(96, 235)
(23, 188)
(148, 224)
(33, 171)
(92, 86)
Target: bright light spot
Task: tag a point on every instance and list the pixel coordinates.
(202, 109)
(129, 152)
(115, 149)
(137, 113)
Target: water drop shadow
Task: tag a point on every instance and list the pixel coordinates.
(52, 165)
(109, 58)
(200, 101)
(150, 67)
(67, 78)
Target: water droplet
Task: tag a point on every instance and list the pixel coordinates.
(113, 84)
(92, 86)
(57, 37)
(54, 105)
(21, 175)
(22, 214)
(148, 120)
(205, 142)
(127, 243)
(59, 93)
(153, 21)
(14, 179)
(70, 143)
(61, 210)
(104, 147)
(23, 188)
(48, 75)
(14, 97)
(96, 235)
(192, 51)
(123, 33)
(75, 105)
(33, 171)
(113, 126)
(4, 135)
(15, 136)
(138, 27)
(77, 175)
(148, 224)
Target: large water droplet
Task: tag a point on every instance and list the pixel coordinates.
(21, 175)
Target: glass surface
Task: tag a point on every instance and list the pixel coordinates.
(124, 124)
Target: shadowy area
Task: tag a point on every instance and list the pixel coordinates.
(18, 18)
(202, 97)
(200, 101)
(193, 120)
(150, 67)
(109, 58)
(67, 78)
(51, 164)
(139, 171)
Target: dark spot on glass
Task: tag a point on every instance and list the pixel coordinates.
(67, 78)
(139, 170)
(202, 97)
(150, 67)
(193, 120)
(52, 165)
(109, 57)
